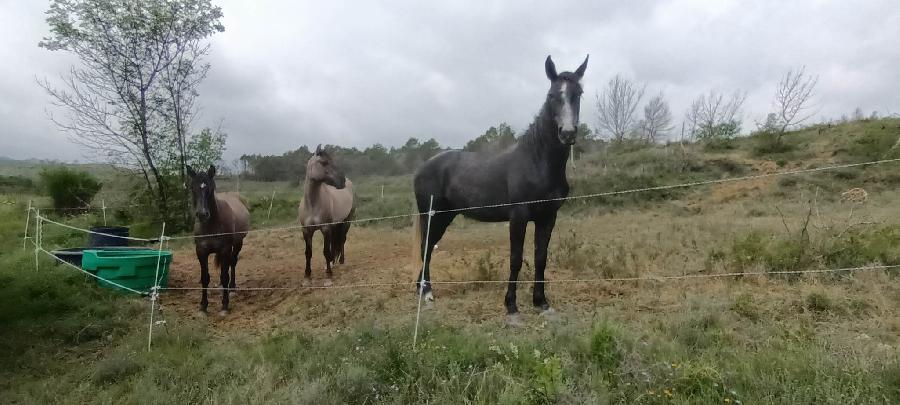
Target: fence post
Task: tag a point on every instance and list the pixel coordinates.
(27, 220)
(37, 237)
(104, 211)
(154, 291)
(426, 242)
(382, 191)
(269, 214)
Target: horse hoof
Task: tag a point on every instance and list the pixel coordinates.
(550, 313)
(223, 313)
(429, 297)
(306, 281)
(328, 282)
(201, 313)
(513, 320)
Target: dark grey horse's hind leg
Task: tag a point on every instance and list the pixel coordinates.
(328, 251)
(517, 227)
(342, 240)
(308, 240)
(203, 258)
(439, 224)
(543, 229)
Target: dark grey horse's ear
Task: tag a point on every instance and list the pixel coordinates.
(580, 71)
(318, 149)
(550, 68)
(211, 172)
(190, 171)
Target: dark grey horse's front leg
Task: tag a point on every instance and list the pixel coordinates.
(203, 257)
(308, 239)
(516, 242)
(543, 229)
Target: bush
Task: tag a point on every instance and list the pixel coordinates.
(15, 184)
(770, 142)
(69, 188)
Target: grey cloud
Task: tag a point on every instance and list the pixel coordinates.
(287, 74)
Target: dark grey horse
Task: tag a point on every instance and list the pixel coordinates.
(533, 169)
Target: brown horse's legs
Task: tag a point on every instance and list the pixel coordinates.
(224, 258)
(308, 240)
(543, 229)
(203, 257)
(517, 228)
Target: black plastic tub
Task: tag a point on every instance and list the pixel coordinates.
(112, 236)
(74, 255)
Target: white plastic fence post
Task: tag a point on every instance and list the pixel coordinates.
(154, 291)
(27, 220)
(269, 214)
(104, 211)
(37, 237)
(382, 191)
(424, 261)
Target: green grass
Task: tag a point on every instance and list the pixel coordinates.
(810, 340)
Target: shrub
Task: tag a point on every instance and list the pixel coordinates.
(69, 188)
(15, 184)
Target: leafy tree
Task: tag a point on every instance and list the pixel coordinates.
(129, 99)
(205, 148)
(493, 140)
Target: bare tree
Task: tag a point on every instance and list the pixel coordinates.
(126, 49)
(714, 115)
(792, 100)
(616, 106)
(657, 119)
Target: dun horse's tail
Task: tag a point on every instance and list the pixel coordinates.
(417, 246)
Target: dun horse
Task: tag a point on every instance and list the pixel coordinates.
(226, 220)
(327, 202)
(533, 169)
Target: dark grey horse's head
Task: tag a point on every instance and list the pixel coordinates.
(564, 99)
(203, 193)
(321, 168)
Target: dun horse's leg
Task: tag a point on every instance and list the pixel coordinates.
(203, 257)
(308, 239)
(517, 228)
(542, 231)
(224, 258)
(328, 251)
(439, 224)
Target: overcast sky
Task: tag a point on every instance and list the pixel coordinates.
(292, 73)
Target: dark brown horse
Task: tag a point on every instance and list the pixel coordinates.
(226, 220)
(327, 202)
(533, 169)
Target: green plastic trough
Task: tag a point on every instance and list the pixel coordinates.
(134, 269)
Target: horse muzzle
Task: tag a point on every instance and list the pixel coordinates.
(567, 137)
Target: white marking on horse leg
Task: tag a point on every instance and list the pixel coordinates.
(567, 116)
(429, 297)
(513, 320)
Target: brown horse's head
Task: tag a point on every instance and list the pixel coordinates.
(203, 193)
(321, 168)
